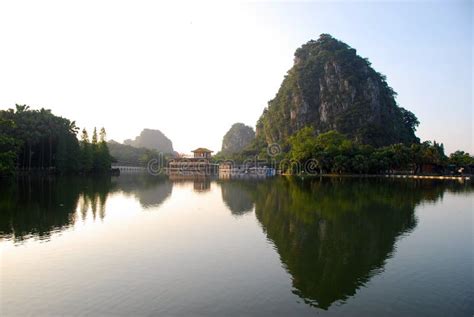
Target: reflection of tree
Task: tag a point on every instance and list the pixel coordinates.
(39, 206)
(334, 234)
(237, 195)
(151, 191)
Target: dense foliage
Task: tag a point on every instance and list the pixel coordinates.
(330, 87)
(8, 148)
(94, 154)
(128, 155)
(333, 152)
(37, 140)
(461, 159)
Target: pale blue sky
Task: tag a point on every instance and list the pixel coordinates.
(191, 69)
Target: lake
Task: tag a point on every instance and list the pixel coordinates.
(136, 245)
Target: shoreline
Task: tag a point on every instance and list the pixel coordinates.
(437, 177)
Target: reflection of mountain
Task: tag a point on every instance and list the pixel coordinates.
(39, 206)
(237, 195)
(333, 235)
(151, 191)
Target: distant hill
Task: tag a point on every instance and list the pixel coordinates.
(237, 138)
(153, 140)
(330, 87)
(126, 154)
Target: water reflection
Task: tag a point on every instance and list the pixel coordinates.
(39, 206)
(150, 191)
(332, 235)
(237, 195)
(201, 184)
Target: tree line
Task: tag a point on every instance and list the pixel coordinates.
(37, 140)
(135, 156)
(333, 152)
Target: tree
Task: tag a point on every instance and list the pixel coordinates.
(427, 153)
(68, 155)
(104, 160)
(409, 119)
(8, 148)
(94, 137)
(86, 153)
(360, 164)
(330, 139)
(303, 145)
(461, 159)
(38, 134)
(45, 142)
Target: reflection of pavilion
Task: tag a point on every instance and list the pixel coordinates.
(200, 183)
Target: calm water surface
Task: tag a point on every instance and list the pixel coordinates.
(139, 246)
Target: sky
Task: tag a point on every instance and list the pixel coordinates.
(192, 69)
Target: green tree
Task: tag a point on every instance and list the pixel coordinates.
(40, 138)
(303, 144)
(8, 148)
(86, 153)
(104, 160)
(330, 139)
(461, 159)
(48, 143)
(329, 146)
(360, 164)
(409, 119)
(94, 137)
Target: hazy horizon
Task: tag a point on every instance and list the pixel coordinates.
(192, 70)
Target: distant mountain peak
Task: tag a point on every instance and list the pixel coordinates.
(237, 138)
(330, 87)
(152, 139)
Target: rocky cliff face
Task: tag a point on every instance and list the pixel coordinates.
(152, 139)
(330, 87)
(237, 138)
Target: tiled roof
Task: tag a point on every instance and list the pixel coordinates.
(202, 149)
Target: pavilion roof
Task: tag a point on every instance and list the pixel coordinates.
(202, 150)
